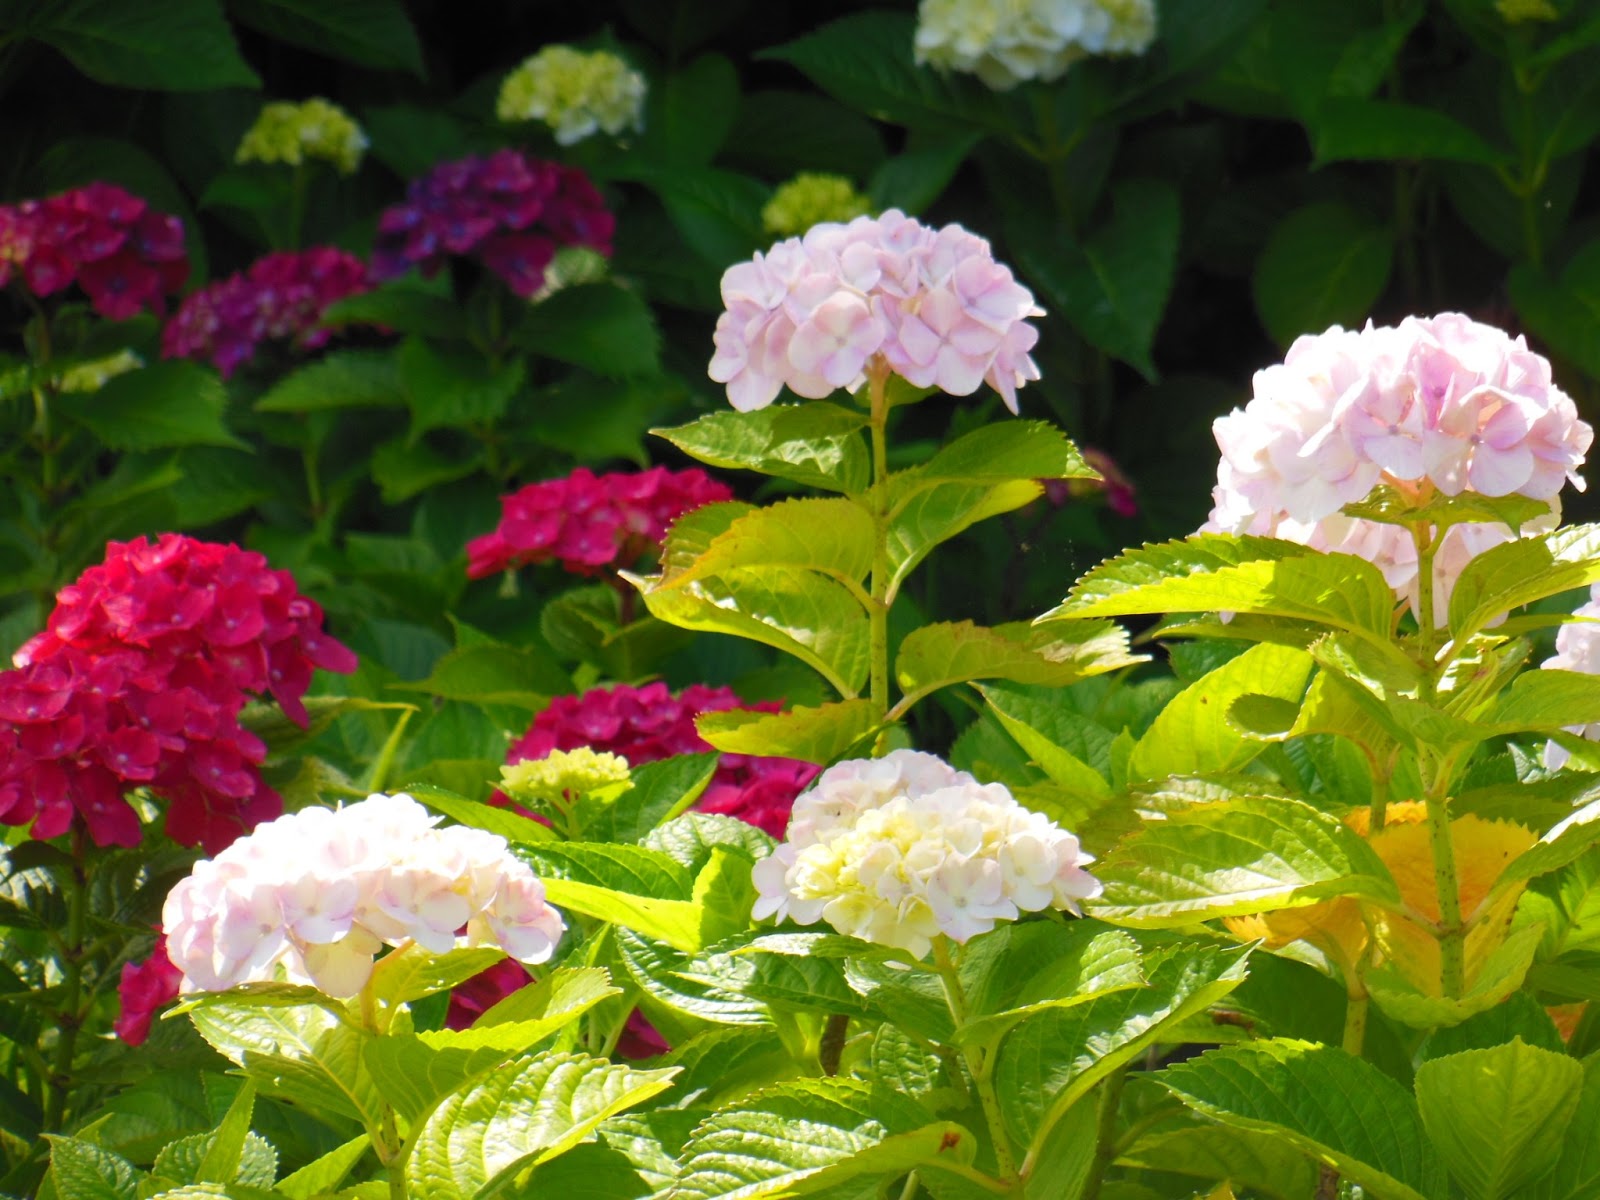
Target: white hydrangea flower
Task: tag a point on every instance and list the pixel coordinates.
(319, 892)
(902, 849)
(1577, 649)
(1005, 42)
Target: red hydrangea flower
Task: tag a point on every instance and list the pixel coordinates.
(279, 297)
(510, 211)
(649, 723)
(124, 254)
(138, 681)
(144, 988)
(588, 522)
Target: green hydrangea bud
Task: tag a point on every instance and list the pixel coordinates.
(294, 133)
(92, 376)
(809, 199)
(563, 774)
(575, 93)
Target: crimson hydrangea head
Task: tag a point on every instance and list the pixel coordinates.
(124, 254)
(278, 298)
(144, 988)
(887, 293)
(139, 680)
(509, 210)
(647, 724)
(590, 522)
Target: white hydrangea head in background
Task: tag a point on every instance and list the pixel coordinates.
(902, 849)
(317, 893)
(1006, 42)
(1577, 649)
(576, 93)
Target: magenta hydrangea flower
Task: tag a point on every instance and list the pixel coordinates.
(509, 210)
(647, 724)
(590, 522)
(124, 254)
(816, 313)
(277, 298)
(143, 989)
(1435, 405)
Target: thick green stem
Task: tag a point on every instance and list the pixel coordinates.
(1105, 1136)
(1378, 811)
(878, 609)
(831, 1049)
(1427, 631)
(69, 1017)
(1355, 1018)
(1452, 936)
(387, 1144)
(980, 1063)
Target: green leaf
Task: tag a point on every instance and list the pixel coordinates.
(344, 379)
(603, 327)
(412, 972)
(691, 111)
(83, 1171)
(1520, 572)
(369, 33)
(1071, 749)
(937, 656)
(180, 1166)
(406, 306)
(1501, 974)
(997, 453)
(173, 403)
(561, 996)
(224, 1159)
(1056, 1057)
(324, 1174)
(660, 791)
(1564, 843)
(454, 388)
(703, 989)
(1324, 264)
(515, 828)
(1237, 856)
(1220, 573)
(1192, 734)
(1323, 1101)
(816, 443)
(1388, 505)
(916, 177)
(492, 673)
(1046, 966)
(1498, 1117)
(414, 1073)
(850, 1131)
(181, 46)
(1562, 310)
(691, 839)
(927, 516)
(817, 735)
(675, 922)
(1545, 701)
(1114, 286)
(638, 870)
(1244, 1157)
(1577, 1173)
(832, 536)
(520, 1116)
(1348, 127)
(402, 468)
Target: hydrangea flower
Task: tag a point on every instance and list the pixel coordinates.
(575, 93)
(314, 129)
(138, 682)
(278, 298)
(811, 198)
(1005, 42)
(590, 523)
(814, 314)
(1437, 405)
(1577, 649)
(902, 849)
(646, 724)
(124, 254)
(143, 989)
(317, 893)
(510, 211)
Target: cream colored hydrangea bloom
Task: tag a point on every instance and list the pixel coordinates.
(295, 133)
(1005, 42)
(811, 198)
(575, 93)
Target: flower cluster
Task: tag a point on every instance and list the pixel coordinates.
(279, 297)
(124, 254)
(1577, 649)
(1005, 42)
(1439, 405)
(1121, 493)
(575, 93)
(320, 891)
(139, 680)
(903, 849)
(882, 293)
(311, 130)
(509, 210)
(811, 198)
(590, 522)
(647, 724)
(142, 989)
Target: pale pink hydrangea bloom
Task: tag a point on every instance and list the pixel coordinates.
(816, 313)
(1441, 404)
(1577, 649)
(313, 896)
(902, 849)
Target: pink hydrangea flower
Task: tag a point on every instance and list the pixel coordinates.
(1435, 405)
(278, 298)
(1577, 649)
(814, 314)
(588, 522)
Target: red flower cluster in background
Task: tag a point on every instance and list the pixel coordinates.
(144, 988)
(279, 297)
(647, 724)
(509, 210)
(124, 254)
(588, 522)
(139, 680)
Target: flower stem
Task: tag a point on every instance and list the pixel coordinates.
(1355, 1018)
(1452, 935)
(980, 1062)
(878, 609)
(69, 1018)
(1105, 1137)
(387, 1143)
